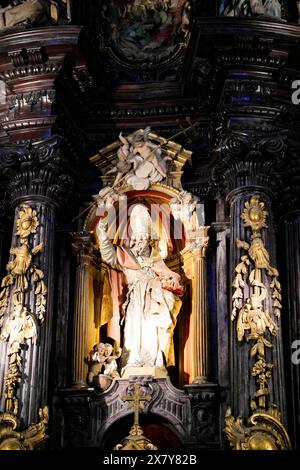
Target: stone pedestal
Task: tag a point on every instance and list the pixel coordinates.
(89, 416)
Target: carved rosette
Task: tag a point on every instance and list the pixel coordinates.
(256, 276)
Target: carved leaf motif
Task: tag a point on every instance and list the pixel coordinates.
(37, 275)
(233, 313)
(37, 248)
(267, 343)
(260, 349)
(241, 268)
(7, 280)
(252, 276)
(277, 312)
(254, 350)
(2, 293)
(272, 271)
(238, 281)
(276, 295)
(238, 294)
(243, 245)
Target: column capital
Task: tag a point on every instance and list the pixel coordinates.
(36, 171)
(84, 248)
(249, 160)
(221, 227)
(197, 244)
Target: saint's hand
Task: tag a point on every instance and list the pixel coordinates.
(101, 227)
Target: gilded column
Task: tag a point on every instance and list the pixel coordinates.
(37, 185)
(83, 338)
(195, 266)
(248, 168)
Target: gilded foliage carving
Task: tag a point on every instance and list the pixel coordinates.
(17, 323)
(254, 276)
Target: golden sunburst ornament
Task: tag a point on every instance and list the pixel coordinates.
(254, 214)
(27, 222)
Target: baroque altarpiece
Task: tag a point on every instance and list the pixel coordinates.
(149, 224)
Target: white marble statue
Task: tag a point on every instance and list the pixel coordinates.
(152, 301)
(186, 208)
(22, 12)
(140, 162)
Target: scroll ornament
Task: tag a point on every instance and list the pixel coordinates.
(18, 324)
(255, 275)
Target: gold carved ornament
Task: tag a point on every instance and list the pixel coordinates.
(20, 325)
(136, 439)
(255, 275)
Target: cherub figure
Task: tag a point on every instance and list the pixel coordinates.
(18, 328)
(124, 165)
(97, 361)
(185, 208)
(150, 152)
(111, 366)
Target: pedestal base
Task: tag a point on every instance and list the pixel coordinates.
(136, 371)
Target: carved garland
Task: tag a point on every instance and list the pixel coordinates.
(254, 323)
(20, 324)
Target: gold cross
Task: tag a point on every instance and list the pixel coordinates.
(136, 402)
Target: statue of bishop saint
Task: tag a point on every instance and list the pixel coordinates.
(152, 302)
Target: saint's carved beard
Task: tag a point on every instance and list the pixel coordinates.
(141, 249)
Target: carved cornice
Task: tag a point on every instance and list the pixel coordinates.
(17, 39)
(247, 27)
(29, 71)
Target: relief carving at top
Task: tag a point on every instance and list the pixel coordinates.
(146, 30)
